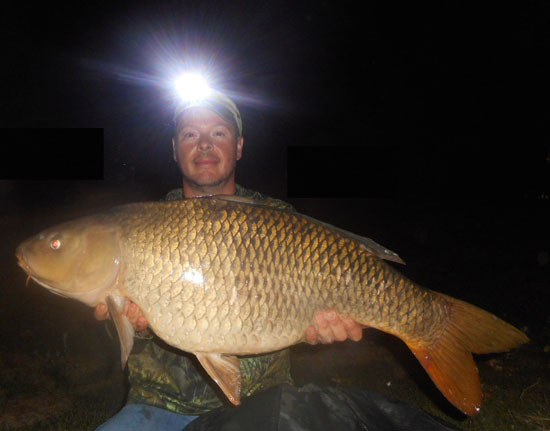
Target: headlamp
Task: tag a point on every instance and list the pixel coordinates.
(192, 87)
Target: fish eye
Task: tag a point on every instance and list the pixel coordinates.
(55, 244)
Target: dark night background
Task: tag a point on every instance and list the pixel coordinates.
(423, 125)
(418, 100)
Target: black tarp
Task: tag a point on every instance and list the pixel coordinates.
(313, 407)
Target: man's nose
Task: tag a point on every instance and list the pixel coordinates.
(205, 144)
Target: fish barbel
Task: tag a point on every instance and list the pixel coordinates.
(224, 276)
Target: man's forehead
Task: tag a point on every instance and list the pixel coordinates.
(201, 116)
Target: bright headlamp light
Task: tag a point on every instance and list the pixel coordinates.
(192, 87)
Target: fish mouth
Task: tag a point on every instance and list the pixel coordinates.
(23, 264)
(21, 261)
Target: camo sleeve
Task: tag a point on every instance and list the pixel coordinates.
(168, 378)
(177, 194)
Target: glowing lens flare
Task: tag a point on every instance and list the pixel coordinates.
(192, 87)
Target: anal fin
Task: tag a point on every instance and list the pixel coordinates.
(225, 371)
(124, 328)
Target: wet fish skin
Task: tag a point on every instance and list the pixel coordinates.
(249, 280)
(220, 277)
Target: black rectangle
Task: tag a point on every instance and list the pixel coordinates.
(436, 170)
(342, 171)
(51, 154)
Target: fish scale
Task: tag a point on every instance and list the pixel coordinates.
(220, 277)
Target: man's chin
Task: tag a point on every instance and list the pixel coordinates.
(208, 179)
(206, 183)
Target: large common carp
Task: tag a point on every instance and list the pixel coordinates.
(224, 276)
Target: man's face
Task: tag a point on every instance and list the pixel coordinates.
(206, 148)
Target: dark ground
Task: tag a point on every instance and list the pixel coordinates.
(60, 367)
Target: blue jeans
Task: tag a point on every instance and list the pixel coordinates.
(134, 417)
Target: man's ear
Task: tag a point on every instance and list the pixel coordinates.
(240, 142)
(175, 154)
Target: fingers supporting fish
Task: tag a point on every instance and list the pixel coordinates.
(329, 327)
(335, 328)
(130, 310)
(101, 312)
(135, 315)
(353, 329)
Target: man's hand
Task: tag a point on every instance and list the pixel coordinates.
(329, 328)
(131, 310)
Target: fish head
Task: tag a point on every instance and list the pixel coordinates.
(78, 259)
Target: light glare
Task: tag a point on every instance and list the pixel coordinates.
(192, 87)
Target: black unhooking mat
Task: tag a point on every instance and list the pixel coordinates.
(319, 408)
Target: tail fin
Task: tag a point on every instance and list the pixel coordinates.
(448, 359)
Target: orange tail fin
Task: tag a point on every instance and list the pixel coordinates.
(448, 358)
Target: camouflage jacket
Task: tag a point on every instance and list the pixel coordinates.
(168, 378)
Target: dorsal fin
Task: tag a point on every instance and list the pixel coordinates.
(368, 244)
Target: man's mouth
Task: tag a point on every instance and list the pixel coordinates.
(205, 161)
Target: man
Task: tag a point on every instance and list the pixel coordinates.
(167, 387)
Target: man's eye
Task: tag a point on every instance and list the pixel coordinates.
(219, 133)
(189, 135)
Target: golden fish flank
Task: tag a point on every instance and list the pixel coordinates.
(222, 276)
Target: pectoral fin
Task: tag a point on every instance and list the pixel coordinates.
(123, 326)
(225, 371)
